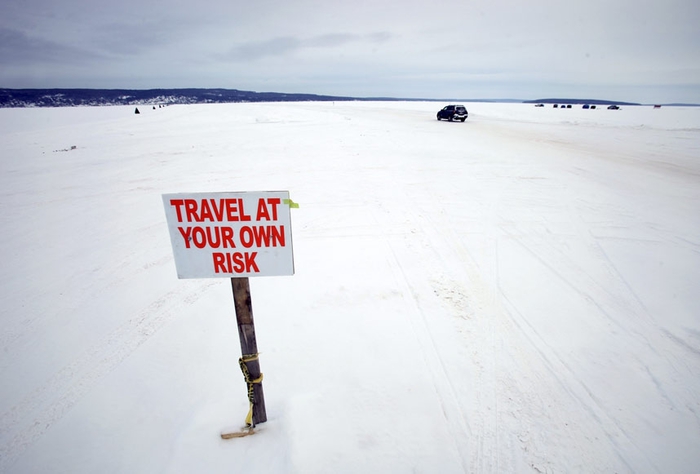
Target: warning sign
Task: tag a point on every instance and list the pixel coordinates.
(230, 234)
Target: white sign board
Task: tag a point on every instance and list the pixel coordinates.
(218, 235)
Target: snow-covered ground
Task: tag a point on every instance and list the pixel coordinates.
(516, 293)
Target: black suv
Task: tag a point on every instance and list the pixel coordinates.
(453, 112)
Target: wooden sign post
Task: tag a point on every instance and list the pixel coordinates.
(249, 350)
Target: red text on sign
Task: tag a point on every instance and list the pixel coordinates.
(213, 237)
(236, 262)
(265, 206)
(261, 236)
(212, 210)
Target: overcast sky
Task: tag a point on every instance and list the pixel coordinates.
(630, 50)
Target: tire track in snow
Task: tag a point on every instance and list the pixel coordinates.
(487, 420)
(587, 400)
(508, 404)
(445, 391)
(477, 439)
(517, 422)
(510, 407)
(28, 420)
(486, 425)
(619, 297)
(452, 412)
(20, 333)
(587, 287)
(611, 297)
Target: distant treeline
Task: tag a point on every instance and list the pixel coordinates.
(81, 97)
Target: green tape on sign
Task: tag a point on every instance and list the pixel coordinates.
(292, 204)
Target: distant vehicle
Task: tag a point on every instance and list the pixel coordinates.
(453, 112)
(613, 107)
(568, 106)
(539, 105)
(556, 106)
(657, 106)
(586, 106)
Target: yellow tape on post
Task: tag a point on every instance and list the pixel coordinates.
(292, 204)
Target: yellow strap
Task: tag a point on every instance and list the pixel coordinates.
(246, 375)
(249, 416)
(249, 357)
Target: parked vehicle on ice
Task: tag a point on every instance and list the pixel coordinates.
(613, 107)
(453, 112)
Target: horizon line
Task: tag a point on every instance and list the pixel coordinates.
(548, 100)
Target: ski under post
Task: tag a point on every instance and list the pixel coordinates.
(245, 431)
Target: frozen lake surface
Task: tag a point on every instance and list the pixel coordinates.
(516, 293)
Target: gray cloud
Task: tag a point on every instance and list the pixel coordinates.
(380, 37)
(17, 47)
(330, 40)
(128, 38)
(261, 49)
(287, 45)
